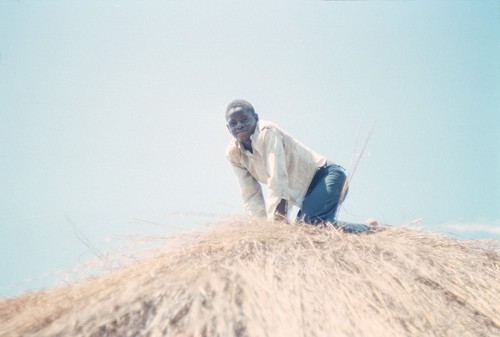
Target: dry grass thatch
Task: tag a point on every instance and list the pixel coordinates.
(254, 278)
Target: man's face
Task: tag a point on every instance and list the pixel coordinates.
(241, 124)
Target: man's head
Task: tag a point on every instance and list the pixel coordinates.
(241, 120)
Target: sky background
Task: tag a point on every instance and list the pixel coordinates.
(112, 115)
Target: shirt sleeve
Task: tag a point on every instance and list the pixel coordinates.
(277, 170)
(251, 192)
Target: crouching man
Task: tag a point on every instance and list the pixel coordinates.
(262, 152)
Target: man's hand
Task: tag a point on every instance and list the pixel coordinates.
(281, 211)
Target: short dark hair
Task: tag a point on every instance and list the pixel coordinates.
(240, 103)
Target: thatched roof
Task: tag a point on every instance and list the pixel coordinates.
(254, 278)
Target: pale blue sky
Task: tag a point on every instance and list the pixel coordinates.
(114, 110)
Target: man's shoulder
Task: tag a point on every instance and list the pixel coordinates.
(266, 126)
(232, 150)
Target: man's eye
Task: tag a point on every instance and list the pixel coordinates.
(245, 120)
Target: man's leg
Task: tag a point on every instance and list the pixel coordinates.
(323, 197)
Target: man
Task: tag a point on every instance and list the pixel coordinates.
(263, 153)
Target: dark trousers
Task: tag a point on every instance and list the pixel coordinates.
(324, 197)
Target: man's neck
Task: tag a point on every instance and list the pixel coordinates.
(247, 146)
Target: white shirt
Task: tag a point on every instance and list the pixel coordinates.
(278, 161)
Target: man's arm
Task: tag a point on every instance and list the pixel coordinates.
(251, 192)
(278, 175)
